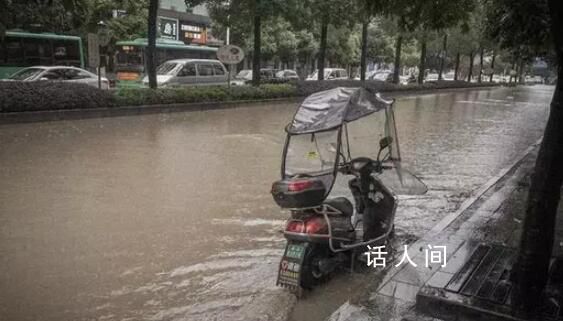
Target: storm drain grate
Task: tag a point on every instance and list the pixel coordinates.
(485, 275)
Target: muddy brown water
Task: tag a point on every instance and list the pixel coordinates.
(169, 217)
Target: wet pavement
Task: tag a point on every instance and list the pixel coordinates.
(169, 217)
(475, 284)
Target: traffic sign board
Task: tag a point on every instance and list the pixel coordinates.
(230, 55)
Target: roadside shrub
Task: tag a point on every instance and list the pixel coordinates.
(18, 96)
(145, 96)
(37, 96)
(305, 88)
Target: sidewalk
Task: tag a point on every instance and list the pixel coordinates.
(493, 216)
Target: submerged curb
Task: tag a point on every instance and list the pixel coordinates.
(73, 114)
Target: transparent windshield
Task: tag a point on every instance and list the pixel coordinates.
(312, 154)
(402, 182)
(166, 68)
(26, 74)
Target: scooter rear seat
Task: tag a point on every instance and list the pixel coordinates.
(342, 204)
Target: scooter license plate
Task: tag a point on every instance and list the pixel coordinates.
(291, 263)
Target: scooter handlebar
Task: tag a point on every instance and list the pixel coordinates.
(350, 168)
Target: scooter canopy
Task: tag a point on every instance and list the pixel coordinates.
(329, 109)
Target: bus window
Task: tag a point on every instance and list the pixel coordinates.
(2, 54)
(66, 53)
(37, 52)
(14, 52)
(129, 55)
(161, 56)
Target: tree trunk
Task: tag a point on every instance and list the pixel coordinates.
(322, 49)
(531, 270)
(151, 48)
(422, 66)
(538, 234)
(363, 56)
(481, 63)
(443, 60)
(397, 70)
(493, 66)
(457, 61)
(521, 71)
(257, 42)
(470, 73)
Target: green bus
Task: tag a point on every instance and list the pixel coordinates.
(130, 57)
(24, 49)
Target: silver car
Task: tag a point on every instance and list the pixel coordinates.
(59, 73)
(190, 72)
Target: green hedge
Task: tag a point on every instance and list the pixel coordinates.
(16, 96)
(305, 88)
(38, 96)
(144, 96)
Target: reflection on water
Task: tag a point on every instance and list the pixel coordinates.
(168, 217)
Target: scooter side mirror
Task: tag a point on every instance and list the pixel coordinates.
(385, 142)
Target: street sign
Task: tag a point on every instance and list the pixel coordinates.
(230, 55)
(168, 28)
(93, 50)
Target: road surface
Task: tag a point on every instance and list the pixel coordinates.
(169, 217)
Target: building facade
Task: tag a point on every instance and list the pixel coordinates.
(192, 26)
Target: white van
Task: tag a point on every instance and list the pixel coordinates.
(330, 74)
(190, 72)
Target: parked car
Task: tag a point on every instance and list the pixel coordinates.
(190, 72)
(431, 77)
(58, 73)
(244, 76)
(383, 75)
(330, 74)
(287, 75)
(449, 76)
(369, 74)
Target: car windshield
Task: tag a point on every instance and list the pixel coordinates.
(26, 74)
(166, 68)
(244, 74)
(312, 154)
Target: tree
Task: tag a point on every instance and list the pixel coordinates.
(524, 27)
(325, 12)
(257, 31)
(307, 47)
(235, 13)
(151, 48)
(61, 16)
(443, 55)
(367, 9)
(437, 15)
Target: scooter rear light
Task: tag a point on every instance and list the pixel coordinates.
(297, 186)
(295, 226)
(316, 225)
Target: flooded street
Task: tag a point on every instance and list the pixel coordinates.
(169, 216)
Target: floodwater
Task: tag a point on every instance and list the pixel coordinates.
(169, 217)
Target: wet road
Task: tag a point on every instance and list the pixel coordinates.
(169, 217)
